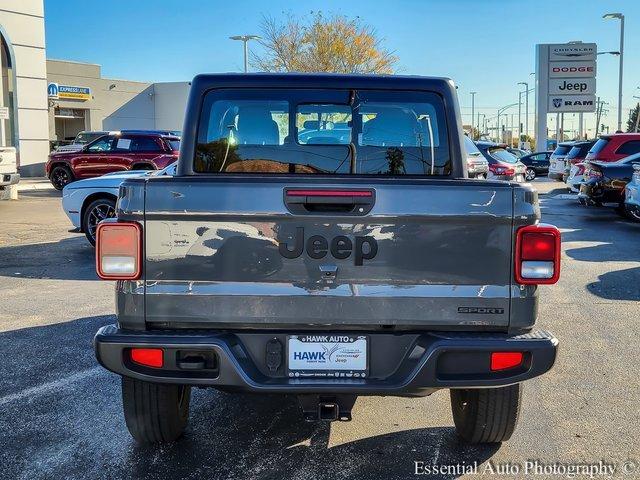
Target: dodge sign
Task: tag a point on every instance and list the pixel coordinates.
(572, 69)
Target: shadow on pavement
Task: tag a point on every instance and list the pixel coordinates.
(43, 193)
(69, 259)
(615, 241)
(618, 285)
(61, 417)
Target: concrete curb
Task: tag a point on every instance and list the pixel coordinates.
(34, 184)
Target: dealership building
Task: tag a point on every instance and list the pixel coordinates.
(52, 100)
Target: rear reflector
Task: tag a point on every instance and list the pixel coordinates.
(118, 251)
(329, 193)
(505, 360)
(149, 357)
(537, 259)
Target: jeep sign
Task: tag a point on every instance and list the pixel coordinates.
(572, 69)
(572, 86)
(572, 103)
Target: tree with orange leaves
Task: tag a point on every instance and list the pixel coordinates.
(322, 44)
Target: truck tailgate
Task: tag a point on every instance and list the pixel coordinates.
(236, 252)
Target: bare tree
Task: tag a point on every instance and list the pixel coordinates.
(321, 44)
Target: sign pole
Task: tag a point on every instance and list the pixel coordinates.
(542, 94)
(580, 130)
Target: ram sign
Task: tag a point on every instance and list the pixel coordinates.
(572, 103)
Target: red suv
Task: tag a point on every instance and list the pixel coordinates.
(610, 148)
(113, 153)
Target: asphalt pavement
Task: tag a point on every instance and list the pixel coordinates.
(60, 413)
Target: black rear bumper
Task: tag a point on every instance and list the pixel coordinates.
(399, 364)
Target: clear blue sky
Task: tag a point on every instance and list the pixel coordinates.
(484, 45)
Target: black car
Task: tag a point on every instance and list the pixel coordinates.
(604, 182)
(537, 164)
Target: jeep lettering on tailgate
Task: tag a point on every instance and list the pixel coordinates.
(340, 247)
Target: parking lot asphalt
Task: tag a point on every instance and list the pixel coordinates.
(60, 413)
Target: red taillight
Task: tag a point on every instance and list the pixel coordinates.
(501, 170)
(537, 258)
(149, 357)
(505, 360)
(118, 251)
(593, 173)
(329, 193)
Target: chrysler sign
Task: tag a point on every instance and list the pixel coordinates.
(580, 69)
(572, 51)
(572, 103)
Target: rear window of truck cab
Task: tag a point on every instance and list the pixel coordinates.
(365, 132)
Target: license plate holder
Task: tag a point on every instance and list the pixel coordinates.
(327, 356)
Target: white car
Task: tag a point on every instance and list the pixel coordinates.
(575, 178)
(8, 168)
(557, 159)
(88, 202)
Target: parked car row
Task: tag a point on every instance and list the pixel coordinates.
(113, 152)
(90, 176)
(606, 171)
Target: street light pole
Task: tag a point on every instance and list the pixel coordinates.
(473, 112)
(245, 40)
(637, 113)
(519, 119)
(526, 106)
(500, 110)
(620, 17)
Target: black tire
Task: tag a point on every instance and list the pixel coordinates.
(95, 212)
(529, 174)
(142, 166)
(486, 415)
(60, 176)
(632, 213)
(154, 412)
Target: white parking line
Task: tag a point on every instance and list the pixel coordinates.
(49, 387)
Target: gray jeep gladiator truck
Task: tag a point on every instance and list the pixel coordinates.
(321, 238)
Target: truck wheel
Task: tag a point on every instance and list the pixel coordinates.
(61, 176)
(154, 412)
(486, 415)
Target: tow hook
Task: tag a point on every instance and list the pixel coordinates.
(327, 408)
